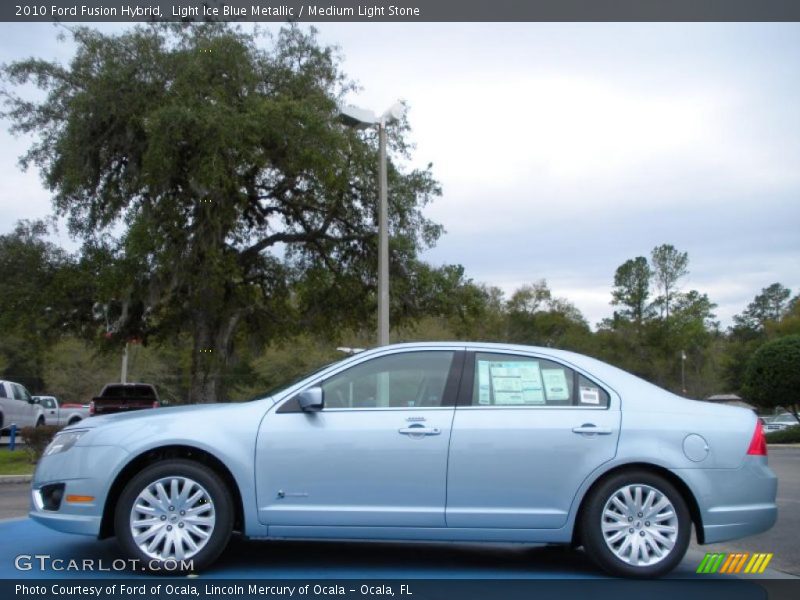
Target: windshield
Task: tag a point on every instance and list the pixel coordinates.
(289, 383)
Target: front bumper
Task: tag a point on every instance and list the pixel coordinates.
(734, 503)
(84, 471)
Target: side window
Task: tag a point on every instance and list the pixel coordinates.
(48, 403)
(591, 394)
(507, 380)
(23, 393)
(411, 379)
(3, 393)
(18, 394)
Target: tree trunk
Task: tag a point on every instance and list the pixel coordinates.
(212, 350)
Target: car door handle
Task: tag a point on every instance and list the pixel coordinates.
(589, 428)
(420, 430)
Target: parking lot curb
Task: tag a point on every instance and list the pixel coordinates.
(15, 478)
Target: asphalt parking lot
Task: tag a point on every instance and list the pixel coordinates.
(342, 560)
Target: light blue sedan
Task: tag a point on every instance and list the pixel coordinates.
(429, 441)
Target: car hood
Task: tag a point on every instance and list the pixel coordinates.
(194, 425)
(147, 416)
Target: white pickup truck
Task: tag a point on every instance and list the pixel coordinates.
(55, 413)
(17, 406)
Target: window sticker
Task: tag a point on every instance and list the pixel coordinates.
(555, 384)
(590, 395)
(484, 389)
(511, 382)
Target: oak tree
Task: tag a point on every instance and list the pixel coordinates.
(210, 162)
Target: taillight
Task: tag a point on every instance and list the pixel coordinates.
(758, 445)
(91, 408)
(156, 404)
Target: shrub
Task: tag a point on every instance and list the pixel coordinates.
(790, 435)
(36, 439)
(772, 377)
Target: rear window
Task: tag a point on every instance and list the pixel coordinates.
(129, 391)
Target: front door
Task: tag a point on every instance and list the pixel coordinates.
(526, 434)
(375, 455)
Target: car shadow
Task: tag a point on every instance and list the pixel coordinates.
(343, 559)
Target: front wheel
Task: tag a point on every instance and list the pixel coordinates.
(636, 524)
(176, 515)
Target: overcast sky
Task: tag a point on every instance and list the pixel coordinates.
(565, 149)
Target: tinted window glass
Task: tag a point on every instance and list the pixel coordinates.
(128, 391)
(48, 403)
(412, 379)
(17, 391)
(591, 394)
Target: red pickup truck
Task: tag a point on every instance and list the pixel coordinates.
(123, 397)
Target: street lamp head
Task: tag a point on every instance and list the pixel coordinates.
(395, 113)
(360, 118)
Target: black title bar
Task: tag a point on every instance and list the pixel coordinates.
(400, 10)
(202, 588)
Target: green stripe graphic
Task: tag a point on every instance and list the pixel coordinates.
(703, 563)
(711, 563)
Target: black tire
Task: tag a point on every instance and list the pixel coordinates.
(74, 420)
(592, 518)
(220, 500)
(39, 421)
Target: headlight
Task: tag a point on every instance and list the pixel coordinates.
(63, 442)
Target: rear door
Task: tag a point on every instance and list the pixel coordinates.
(526, 433)
(50, 410)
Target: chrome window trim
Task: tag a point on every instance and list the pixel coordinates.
(385, 408)
(530, 407)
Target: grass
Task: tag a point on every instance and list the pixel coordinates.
(17, 462)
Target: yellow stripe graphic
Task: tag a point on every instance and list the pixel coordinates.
(752, 563)
(765, 563)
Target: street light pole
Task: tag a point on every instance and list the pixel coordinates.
(683, 372)
(383, 240)
(361, 119)
(123, 377)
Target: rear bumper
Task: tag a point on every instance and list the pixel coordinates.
(733, 522)
(734, 503)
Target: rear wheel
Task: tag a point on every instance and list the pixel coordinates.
(174, 511)
(636, 524)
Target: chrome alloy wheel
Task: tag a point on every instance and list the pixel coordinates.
(172, 518)
(639, 525)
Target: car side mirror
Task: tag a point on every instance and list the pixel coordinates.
(311, 400)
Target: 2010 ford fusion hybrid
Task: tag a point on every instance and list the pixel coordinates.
(429, 442)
